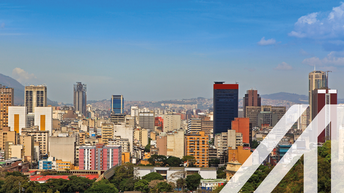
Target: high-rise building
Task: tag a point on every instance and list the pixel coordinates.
(175, 145)
(107, 132)
(99, 157)
(322, 97)
(196, 145)
(147, 120)
(242, 125)
(41, 137)
(6, 100)
(194, 125)
(171, 122)
(272, 114)
(252, 98)
(80, 98)
(225, 106)
(317, 79)
(44, 118)
(35, 96)
(117, 104)
(7, 135)
(17, 118)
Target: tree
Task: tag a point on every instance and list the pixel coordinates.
(190, 160)
(157, 160)
(174, 161)
(127, 184)
(15, 173)
(181, 184)
(254, 144)
(124, 171)
(153, 176)
(214, 162)
(141, 185)
(192, 181)
(103, 186)
(164, 187)
(221, 173)
(11, 184)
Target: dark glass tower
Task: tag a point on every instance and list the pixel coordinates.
(225, 106)
(80, 98)
(117, 104)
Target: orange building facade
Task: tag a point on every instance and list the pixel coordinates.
(196, 145)
(242, 125)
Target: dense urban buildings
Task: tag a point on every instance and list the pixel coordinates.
(117, 104)
(80, 98)
(225, 105)
(35, 96)
(6, 100)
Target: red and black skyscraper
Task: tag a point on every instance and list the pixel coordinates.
(322, 97)
(225, 106)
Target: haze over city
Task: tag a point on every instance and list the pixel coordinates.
(170, 50)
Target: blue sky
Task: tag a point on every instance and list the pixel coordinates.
(157, 50)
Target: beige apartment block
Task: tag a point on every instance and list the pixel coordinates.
(171, 122)
(42, 137)
(28, 143)
(62, 148)
(194, 125)
(107, 132)
(6, 135)
(175, 143)
(161, 143)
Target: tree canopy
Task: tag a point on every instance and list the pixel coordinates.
(192, 181)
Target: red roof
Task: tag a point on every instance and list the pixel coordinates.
(40, 178)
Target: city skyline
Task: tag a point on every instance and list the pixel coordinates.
(140, 49)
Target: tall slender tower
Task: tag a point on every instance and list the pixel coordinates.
(80, 98)
(6, 100)
(35, 96)
(317, 80)
(252, 98)
(225, 106)
(117, 104)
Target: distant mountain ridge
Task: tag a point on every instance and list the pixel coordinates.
(285, 96)
(19, 90)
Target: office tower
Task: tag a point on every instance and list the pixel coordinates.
(242, 125)
(225, 106)
(35, 96)
(43, 118)
(317, 79)
(197, 146)
(322, 97)
(17, 118)
(194, 125)
(252, 98)
(80, 98)
(99, 157)
(146, 120)
(264, 114)
(6, 100)
(117, 104)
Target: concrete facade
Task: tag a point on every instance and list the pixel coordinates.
(62, 148)
(44, 118)
(35, 96)
(171, 122)
(175, 143)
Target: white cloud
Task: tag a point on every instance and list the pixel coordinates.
(283, 66)
(333, 58)
(22, 76)
(303, 52)
(264, 42)
(315, 26)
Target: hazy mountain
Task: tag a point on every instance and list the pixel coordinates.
(18, 90)
(284, 96)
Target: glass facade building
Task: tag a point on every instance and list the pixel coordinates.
(117, 104)
(225, 106)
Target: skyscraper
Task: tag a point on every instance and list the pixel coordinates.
(322, 97)
(252, 98)
(117, 104)
(317, 79)
(35, 96)
(6, 100)
(225, 106)
(80, 98)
